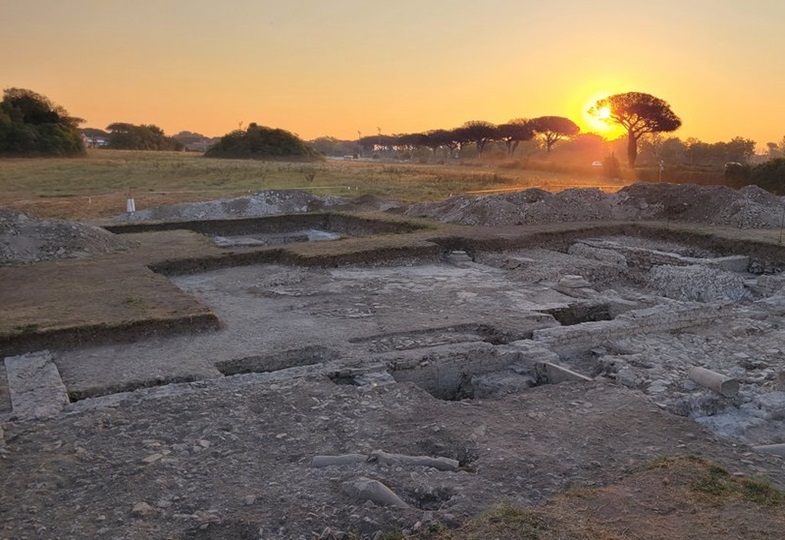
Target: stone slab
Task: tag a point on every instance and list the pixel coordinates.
(35, 386)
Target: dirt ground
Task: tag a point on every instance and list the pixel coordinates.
(231, 458)
(496, 367)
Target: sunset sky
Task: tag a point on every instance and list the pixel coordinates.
(319, 67)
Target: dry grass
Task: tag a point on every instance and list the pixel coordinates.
(98, 185)
(683, 497)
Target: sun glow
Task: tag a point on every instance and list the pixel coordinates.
(599, 121)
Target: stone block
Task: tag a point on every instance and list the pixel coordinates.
(35, 386)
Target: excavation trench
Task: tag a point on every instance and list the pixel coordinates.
(307, 356)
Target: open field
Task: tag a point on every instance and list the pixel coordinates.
(98, 185)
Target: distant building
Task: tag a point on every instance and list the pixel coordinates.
(95, 142)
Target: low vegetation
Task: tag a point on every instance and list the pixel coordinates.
(672, 494)
(99, 185)
(769, 175)
(260, 142)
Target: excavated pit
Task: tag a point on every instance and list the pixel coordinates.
(274, 230)
(275, 239)
(581, 312)
(433, 337)
(75, 395)
(474, 325)
(288, 359)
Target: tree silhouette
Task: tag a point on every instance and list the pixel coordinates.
(436, 138)
(479, 132)
(554, 128)
(639, 114)
(515, 131)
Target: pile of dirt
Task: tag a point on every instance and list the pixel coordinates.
(26, 239)
(264, 203)
(749, 207)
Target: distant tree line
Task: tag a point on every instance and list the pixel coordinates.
(124, 136)
(696, 153)
(31, 125)
(476, 133)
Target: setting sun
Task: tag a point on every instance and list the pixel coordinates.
(598, 120)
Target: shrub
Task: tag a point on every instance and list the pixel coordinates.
(259, 142)
(769, 176)
(31, 125)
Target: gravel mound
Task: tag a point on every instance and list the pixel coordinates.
(264, 203)
(749, 207)
(697, 283)
(25, 239)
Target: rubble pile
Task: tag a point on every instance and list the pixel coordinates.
(264, 203)
(698, 283)
(749, 207)
(26, 239)
(748, 350)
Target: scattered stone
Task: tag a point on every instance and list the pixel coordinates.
(438, 463)
(573, 282)
(776, 449)
(604, 255)
(697, 283)
(142, 509)
(366, 489)
(723, 385)
(153, 458)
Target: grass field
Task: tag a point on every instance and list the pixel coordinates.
(97, 186)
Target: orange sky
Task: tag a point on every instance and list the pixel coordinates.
(333, 68)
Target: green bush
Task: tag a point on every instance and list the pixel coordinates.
(259, 142)
(125, 136)
(769, 175)
(31, 125)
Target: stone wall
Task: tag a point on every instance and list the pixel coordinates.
(662, 318)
